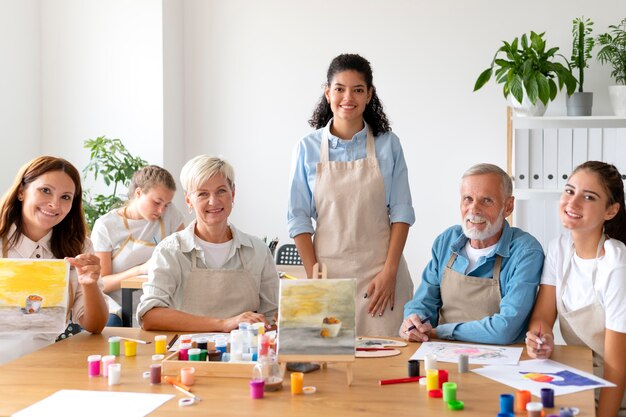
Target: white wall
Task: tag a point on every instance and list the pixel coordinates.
(20, 116)
(102, 74)
(254, 70)
(240, 78)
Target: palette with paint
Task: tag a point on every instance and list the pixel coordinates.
(376, 347)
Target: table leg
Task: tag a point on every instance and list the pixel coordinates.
(127, 307)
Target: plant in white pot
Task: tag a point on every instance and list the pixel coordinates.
(581, 102)
(528, 72)
(613, 51)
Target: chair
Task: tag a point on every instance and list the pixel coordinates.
(288, 255)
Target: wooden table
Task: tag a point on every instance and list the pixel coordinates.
(129, 286)
(64, 366)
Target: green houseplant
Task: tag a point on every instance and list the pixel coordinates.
(110, 160)
(581, 102)
(528, 72)
(613, 51)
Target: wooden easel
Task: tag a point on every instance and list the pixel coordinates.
(320, 273)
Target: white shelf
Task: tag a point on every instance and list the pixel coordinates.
(569, 122)
(536, 194)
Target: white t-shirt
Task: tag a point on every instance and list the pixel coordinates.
(215, 254)
(610, 284)
(473, 255)
(109, 234)
(15, 345)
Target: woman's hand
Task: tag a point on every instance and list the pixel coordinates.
(419, 331)
(539, 347)
(381, 293)
(87, 268)
(247, 317)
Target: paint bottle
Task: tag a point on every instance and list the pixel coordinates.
(155, 373)
(115, 372)
(114, 346)
(236, 345)
(272, 374)
(130, 348)
(220, 345)
(187, 375)
(297, 381)
(183, 352)
(449, 391)
(522, 397)
(463, 363)
(534, 409)
(432, 379)
(194, 354)
(106, 361)
(506, 403)
(160, 344)
(414, 367)
(257, 383)
(93, 367)
(430, 361)
(443, 377)
(547, 397)
(203, 343)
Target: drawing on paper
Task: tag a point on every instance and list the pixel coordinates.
(33, 295)
(317, 317)
(534, 374)
(477, 354)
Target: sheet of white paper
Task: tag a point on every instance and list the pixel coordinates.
(70, 403)
(478, 354)
(534, 374)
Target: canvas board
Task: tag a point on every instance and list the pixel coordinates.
(303, 307)
(33, 295)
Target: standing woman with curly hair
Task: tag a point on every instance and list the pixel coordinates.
(41, 216)
(350, 177)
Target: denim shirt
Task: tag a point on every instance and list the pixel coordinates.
(522, 263)
(301, 207)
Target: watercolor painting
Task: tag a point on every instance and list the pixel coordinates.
(477, 354)
(317, 317)
(534, 374)
(33, 295)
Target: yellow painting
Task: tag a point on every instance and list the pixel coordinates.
(33, 295)
(317, 317)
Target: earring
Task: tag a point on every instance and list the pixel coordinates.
(190, 209)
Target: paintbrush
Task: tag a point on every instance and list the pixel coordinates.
(143, 342)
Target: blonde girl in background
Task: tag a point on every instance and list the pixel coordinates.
(125, 238)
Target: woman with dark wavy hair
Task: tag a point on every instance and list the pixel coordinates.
(41, 217)
(584, 279)
(350, 177)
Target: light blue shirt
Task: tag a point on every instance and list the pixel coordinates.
(393, 167)
(522, 263)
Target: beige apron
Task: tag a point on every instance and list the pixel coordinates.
(353, 231)
(137, 245)
(465, 298)
(219, 293)
(585, 326)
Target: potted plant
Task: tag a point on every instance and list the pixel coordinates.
(109, 159)
(528, 72)
(580, 102)
(613, 51)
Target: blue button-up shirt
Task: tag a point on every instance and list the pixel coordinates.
(393, 167)
(522, 262)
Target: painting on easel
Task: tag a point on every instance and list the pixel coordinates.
(316, 317)
(33, 295)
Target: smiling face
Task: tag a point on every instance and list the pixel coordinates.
(151, 204)
(212, 202)
(483, 209)
(348, 94)
(584, 203)
(45, 203)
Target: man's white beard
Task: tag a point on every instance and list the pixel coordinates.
(490, 230)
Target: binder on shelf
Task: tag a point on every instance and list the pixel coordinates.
(522, 157)
(609, 148)
(620, 155)
(564, 159)
(579, 147)
(550, 147)
(536, 158)
(594, 144)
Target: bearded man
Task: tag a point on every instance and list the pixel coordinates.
(481, 282)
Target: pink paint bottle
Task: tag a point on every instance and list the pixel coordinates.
(94, 365)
